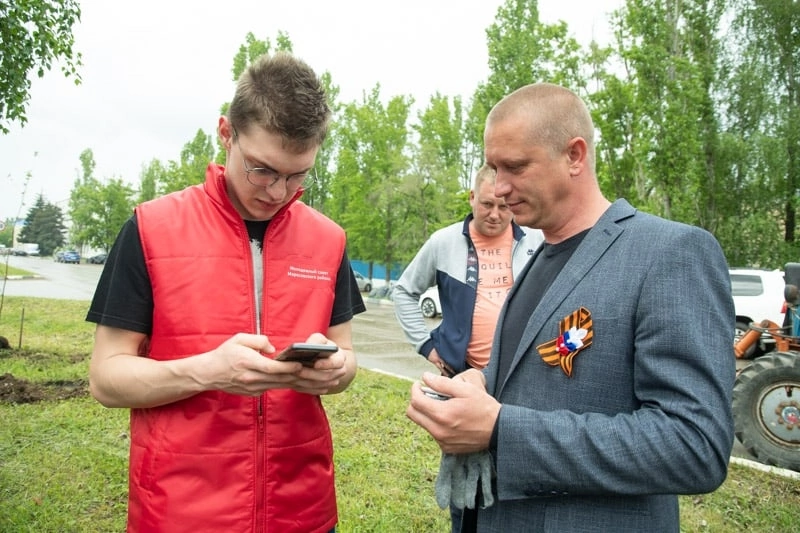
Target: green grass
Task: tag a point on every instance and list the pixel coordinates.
(63, 463)
(55, 339)
(385, 464)
(12, 271)
(63, 467)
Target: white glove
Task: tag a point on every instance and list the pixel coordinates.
(457, 481)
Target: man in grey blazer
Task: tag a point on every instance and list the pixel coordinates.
(608, 391)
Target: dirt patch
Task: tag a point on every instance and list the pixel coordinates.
(13, 390)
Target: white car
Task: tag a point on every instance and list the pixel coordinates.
(429, 303)
(364, 285)
(757, 295)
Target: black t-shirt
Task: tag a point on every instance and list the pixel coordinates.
(124, 297)
(546, 266)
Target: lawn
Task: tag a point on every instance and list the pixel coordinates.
(8, 270)
(63, 457)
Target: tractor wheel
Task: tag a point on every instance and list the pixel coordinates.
(766, 409)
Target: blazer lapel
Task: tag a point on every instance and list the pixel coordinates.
(594, 245)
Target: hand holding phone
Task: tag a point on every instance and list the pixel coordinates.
(306, 353)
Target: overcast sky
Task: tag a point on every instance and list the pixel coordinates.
(154, 72)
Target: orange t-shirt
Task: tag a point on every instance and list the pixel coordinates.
(495, 277)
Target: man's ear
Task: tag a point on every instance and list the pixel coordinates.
(577, 152)
(225, 132)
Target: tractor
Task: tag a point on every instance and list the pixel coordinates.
(766, 394)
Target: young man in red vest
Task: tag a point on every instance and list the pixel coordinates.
(200, 291)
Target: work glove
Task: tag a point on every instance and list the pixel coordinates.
(458, 477)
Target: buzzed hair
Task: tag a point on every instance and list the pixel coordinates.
(556, 114)
(485, 173)
(283, 95)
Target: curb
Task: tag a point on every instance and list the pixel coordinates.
(22, 277)
(766, 468)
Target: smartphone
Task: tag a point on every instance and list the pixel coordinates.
(306, 353)
(436, 395)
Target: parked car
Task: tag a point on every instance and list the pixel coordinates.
(68, 256)
(429, 303)
(757, 295)
(98, 259)
(30, 248)
(364, 285)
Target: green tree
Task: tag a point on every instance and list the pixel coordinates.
(318, 194)
(670, 51)
(97, 209)
(620, 173)
(7, 234)
(80, 198)
(44, 225)
(761, 103)
(191, 169)
(254, 48)
(33, 35)
(152, 174)
(372, 164)
(113, 206)
(434, 192)
(522, 50)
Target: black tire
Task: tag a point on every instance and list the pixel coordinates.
(739, 332)
(428, 308)
(367, 288)
(766, 409)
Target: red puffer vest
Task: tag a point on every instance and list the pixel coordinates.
(218, 462)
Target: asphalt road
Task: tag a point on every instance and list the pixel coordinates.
(54, 280)
(378, 340)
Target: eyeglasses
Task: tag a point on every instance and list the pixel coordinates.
(266, 177)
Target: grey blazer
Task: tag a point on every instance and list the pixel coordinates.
(646, 414)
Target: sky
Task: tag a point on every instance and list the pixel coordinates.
(156, 72)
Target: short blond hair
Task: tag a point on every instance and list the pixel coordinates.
(556, 114)
(485, 173)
